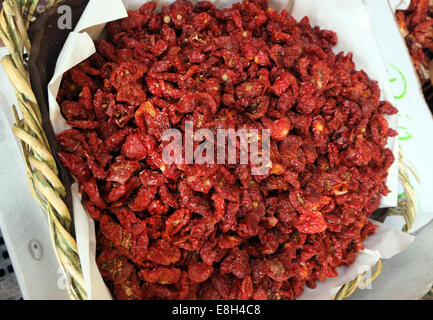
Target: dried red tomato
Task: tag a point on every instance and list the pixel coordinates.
(216, 231)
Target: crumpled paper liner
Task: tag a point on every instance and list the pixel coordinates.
(346, 17)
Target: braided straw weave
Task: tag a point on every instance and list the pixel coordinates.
(41, 168)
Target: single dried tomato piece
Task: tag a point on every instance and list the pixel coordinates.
(280, 129)
(98, 149)
(143, 199)
(276, 270)
(82, 80)
(160, 275)
(207, 252)
(73, 110)
(311, 223)
(208, 292)
(157, 207)
(114, 232)
(151, 178)
(76, 166)
(134, 20)
(129, 289)
(89, 66)
(114, 266)
(127, 72)
(249, 89)
(387, 108)
(131, 93)
(196, 204)
(225, 190)
(219, 205)
(237, 262)
(285, 81)
(157, 122)
(270, 243)
(201, 21)
(155, 226)
(93, 211)
(160, 47)
(222, 284)
(106, 49)
(262, 58)
(176, 222)
(83, 124)
(229, 220)
(199, 184)
(74, 141)
(320, 74)
(184, 286)
(92, 190)
(116, 140)
(258, 107)
(228, 241)
(161, 252)
(133, 148)
(199, 272)
(168, 197)
(147, 8)
(246, 290)
(116, 192)
(122, 170)
(153, 86)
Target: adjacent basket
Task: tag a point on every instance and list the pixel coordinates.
(41, 167)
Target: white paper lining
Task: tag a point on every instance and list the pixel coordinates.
(399, 4)
(79, 46)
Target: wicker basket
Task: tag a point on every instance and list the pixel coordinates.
(43, 171)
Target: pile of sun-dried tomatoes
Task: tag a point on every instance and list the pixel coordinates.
(216, 231)
(416, 25)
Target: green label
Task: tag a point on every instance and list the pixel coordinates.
(398, 81)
